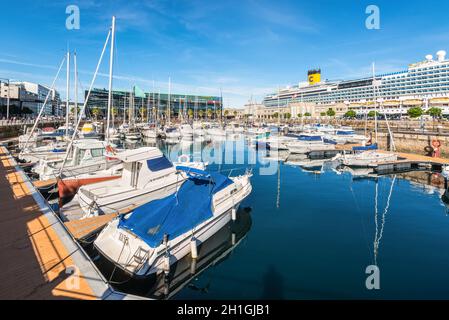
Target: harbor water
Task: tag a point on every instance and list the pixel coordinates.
(312, 234)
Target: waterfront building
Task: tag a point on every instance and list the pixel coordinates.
(180, 104)
(424, 84)
(29, 96)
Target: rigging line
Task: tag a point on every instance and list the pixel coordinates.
(43, 106)
(85, 102)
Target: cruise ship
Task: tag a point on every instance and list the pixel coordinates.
(424, 84)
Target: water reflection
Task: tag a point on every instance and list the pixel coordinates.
(317, 226)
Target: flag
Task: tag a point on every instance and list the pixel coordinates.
(138, 93)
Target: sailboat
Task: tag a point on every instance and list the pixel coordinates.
(86, 155)
(156, 235)
(366, 156)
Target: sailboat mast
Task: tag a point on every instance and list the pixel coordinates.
(75, 110)
(67, 107)
(375, 101)
(111, 66)
(169, 98)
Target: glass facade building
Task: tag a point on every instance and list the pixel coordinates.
(153, 101)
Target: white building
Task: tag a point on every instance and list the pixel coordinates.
(424, 84)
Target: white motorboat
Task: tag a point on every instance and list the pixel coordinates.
(216, 132)
(347, 135)
(186, 131)
(30, 140)
(154, 236)
(147, 175)
(133, 136)
(198, 130)
(86, 156)
(365, 158)
(88, 131)
(309, 142)
(149, 132)
(51, 150)
(172, 133)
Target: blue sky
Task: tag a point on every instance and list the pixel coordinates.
(246, 48)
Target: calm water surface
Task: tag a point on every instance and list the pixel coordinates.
(304, 235)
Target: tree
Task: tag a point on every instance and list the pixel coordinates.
(226, 113)
(287, 115)
(299, 115)
(323, 114)
(435, 112)
(143, 112)
(235, 113)
(96, 112)
(201, 113)
(114, 111)
(415, 112)
(373, 114)
(209, 113)
(351, 114)
(330, 112)
(275, 115)
(190, 113)
(307, 114)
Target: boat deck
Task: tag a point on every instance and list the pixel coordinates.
(40, 258)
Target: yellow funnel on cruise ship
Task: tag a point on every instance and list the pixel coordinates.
(314, 76)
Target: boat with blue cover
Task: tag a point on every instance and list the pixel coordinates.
(153, 236)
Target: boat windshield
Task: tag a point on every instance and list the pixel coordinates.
(158, 164)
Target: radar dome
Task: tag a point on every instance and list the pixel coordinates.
(441, 55)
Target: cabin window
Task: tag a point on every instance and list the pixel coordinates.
(158, 164)
(97, 152)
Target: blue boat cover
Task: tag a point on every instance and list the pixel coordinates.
(345, 133)
(329, 141)
(309, 138)
(177, 213)
(365, 148)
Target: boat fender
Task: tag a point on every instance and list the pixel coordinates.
(233, 238)
(234, 214)
(167, 264)
(183, 158)
(193, 266)
(193, 248)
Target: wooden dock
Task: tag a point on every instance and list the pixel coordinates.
(40, 258)
(409, 162)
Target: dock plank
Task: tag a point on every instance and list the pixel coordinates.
(35, 260)
(81, 229)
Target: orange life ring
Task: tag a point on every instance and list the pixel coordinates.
(436, 143)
